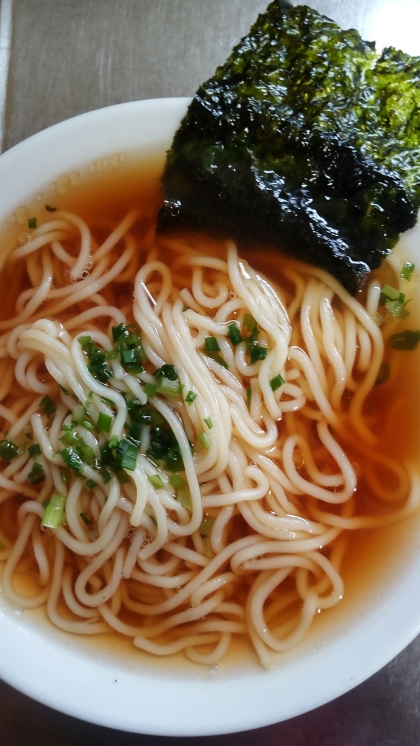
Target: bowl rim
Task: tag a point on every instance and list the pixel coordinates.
(50, 669)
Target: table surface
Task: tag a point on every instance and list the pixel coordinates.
(59, 58)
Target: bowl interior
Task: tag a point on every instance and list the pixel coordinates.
(114, 684)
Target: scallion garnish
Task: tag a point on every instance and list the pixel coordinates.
(48, 405)
(257, 353)
(397, 309)
(191, 396)
(134, 433)
(8, 450)
(204, 440)
(211, 344)
(383, 373)
(126, 454)
(406, 340)
(85, 519)
(54, 512)
(206, 526)
(104, 422)
(177, 482)
(168, 387)
(276, 382)
(157, 481)
(166, 371)
(90, 484)
(208, 422)
(71, 459)
(69, 438)
(234, 334)
(212, 349)
(184, 498)
(31, 222)
(248, 397)
(249, 322)
(97, 358)
(37, 474)
(113, 442)
(106, 476)
(407, 271)
(150, 390)
(50, 209)
(391, 293)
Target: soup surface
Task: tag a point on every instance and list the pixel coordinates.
(310, 480)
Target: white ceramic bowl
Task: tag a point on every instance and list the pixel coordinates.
(130, 692)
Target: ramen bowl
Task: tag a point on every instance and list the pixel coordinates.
(108, 681)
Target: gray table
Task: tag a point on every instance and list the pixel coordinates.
(59, 58)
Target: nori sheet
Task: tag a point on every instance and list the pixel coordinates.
(305, 140)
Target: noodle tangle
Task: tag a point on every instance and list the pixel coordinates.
(195, 428)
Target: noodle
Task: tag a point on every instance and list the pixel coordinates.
(245, 404)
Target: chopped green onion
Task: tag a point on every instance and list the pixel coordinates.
(46, 502)
(118, 332)
(257, 353)
(69, 438)
(170, 388)
(383, 373)
(31, 222)
(85, 519)
(78, 413)
(276, 382)
(397, 309)
(406, 340)
(104, 422)
(177, 482)
(206, 526)
(156, 480)
(84, 341)
(98, 366)
(185, 308)
(112, 354)
(126, 455)
(211, 344)
(248, 397)
(134, 433)
(122, 477)
(166, 371)
(184, 498)
(71, 459)
(391, 293)
(90, 484)
(106, 476)
(87, 424)
(37, 474)
(208, 422)
(204, 440)
(234, 334)
(50, 209)
(249, 322)
(407, 271)
(190, 397)
(8, 450)
(64, 391)
(54, 512)
(48, 405)
(149, 389)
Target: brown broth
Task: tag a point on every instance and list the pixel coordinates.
(108, 191)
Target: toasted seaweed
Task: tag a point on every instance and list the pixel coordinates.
(305, 140)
